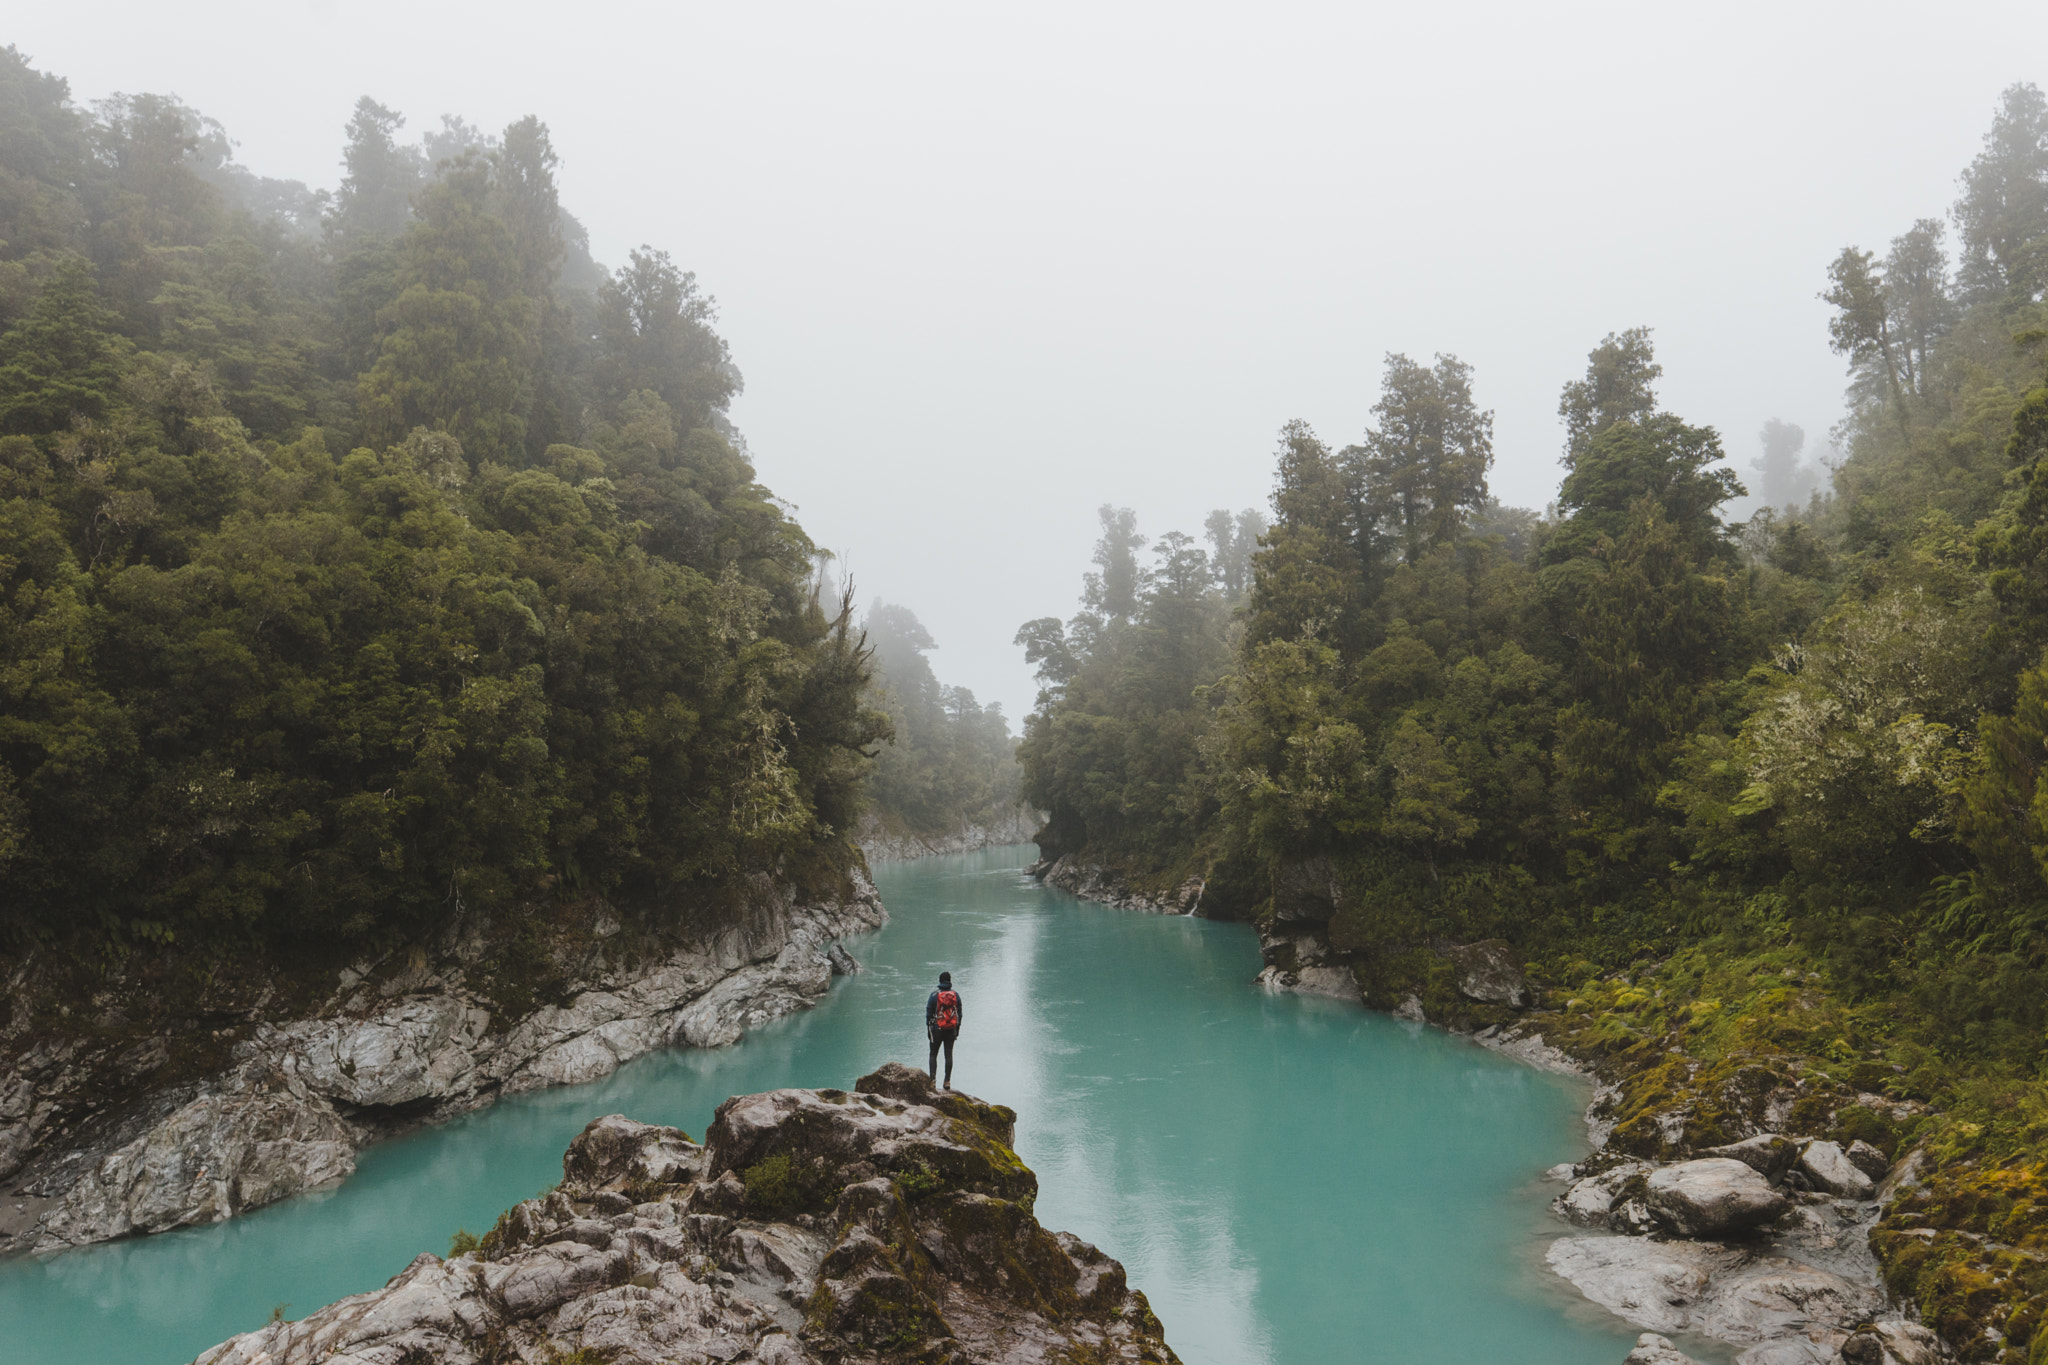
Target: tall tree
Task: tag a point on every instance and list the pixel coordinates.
(1784, 482)
(380, 177)
(2003, 207)
(523, 167)
(654, 333)
(1865, 329)
(1916, 286)
(1233, 540)
(1423, 470)
(1660, 458)
(459, 342)
(1115, 589)
(1621, 374)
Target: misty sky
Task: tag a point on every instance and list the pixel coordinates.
(986, 267)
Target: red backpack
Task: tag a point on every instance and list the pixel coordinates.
(946, 1014)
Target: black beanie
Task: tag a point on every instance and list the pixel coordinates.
(945, 979)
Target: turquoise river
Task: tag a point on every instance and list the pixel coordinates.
(1292, 1181)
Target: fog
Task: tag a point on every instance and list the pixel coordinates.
(986, 269)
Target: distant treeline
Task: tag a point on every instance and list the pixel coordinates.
(368, 556)
(953, 762)
(1624, 720)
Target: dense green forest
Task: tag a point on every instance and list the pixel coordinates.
(1813, 740)
(1624, 704)
(369, 556)
(952, 764)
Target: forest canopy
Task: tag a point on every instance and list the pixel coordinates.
(368, 556)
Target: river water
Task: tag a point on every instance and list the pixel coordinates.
(1291, 1181)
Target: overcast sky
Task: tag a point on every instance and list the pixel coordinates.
(986, 267)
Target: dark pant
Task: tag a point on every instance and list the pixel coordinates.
(942, 1037)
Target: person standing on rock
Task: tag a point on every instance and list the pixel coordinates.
(942, 1025)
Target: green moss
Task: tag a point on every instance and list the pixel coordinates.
(917, 1181)
(773, 1185)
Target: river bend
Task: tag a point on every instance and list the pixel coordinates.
(1292, 1181)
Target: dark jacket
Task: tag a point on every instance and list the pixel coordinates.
(931, 1006)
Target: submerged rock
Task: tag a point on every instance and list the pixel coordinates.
(1337, 983)
(1712, 1197)
(813, 1226)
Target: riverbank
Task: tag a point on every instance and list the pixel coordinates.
(1910, 1190)
(133, 1122)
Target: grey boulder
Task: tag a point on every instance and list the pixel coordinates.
(1768, 1154)
(1828, 1169)
(1489, 972)
(1868, 1159)
(1611, 1199)
(1711, 1197)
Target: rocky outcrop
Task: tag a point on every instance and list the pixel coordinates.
(297, 1100)
(998, 831)
(892, 1223)
(1093, 882)
(1739, 1245)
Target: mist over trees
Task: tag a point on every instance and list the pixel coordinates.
(1629, 717)
(952, 763)
(368, 558)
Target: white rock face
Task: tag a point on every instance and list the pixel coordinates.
(1730, 1294)
(1712, 1197)
(1829, 1169)
(211, 1157)
(303, 1097)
